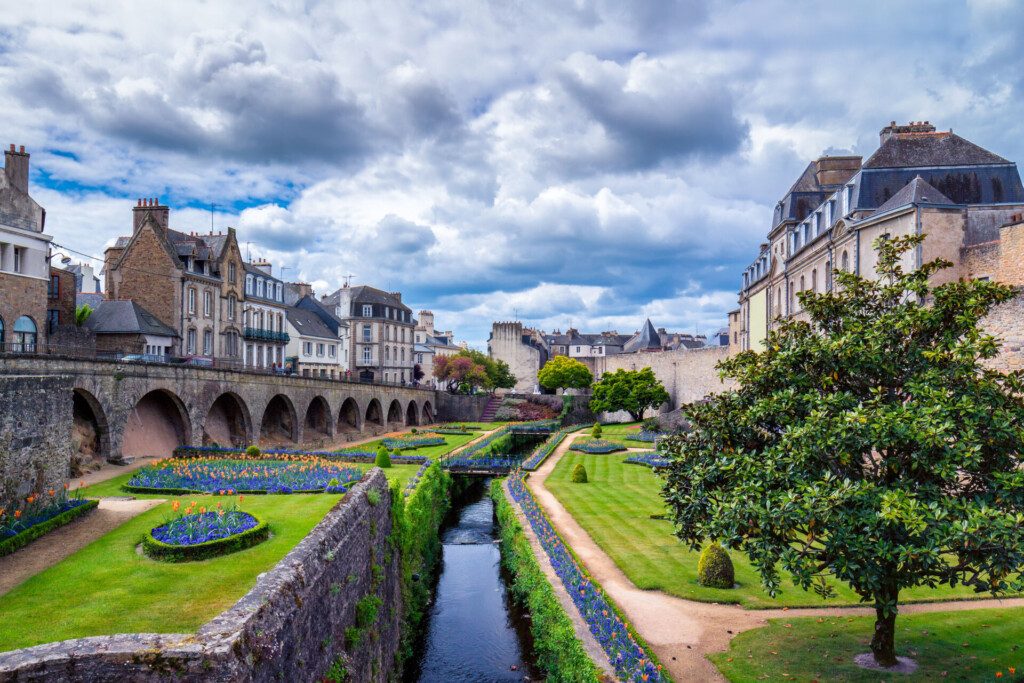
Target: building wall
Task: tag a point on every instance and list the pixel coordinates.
(149, 276)
(22, 296)
(523, 360)
(63, 299)
(758, 315)
(1011, 256)
(1006, 322)
(199, 320)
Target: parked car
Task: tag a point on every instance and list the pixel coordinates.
(143, 358)
(201, 361)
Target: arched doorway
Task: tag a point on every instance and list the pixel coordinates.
(156, 426)
(374, 414)
(412, 417)
(228, 423)
(318, 420)
(395, 415)
(279, 424)
(348, 416)
(428, 413)
(90, 433)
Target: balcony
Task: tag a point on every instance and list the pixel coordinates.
(256, 334)
(365, 363)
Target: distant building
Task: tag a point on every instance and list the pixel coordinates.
(430, 344)
(124, 326)
(381, 329)
(524, 350)
(315, 349)
(265, 329)
(24, 270)
(338, 329)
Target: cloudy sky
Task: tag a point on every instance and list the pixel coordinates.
(589, 162)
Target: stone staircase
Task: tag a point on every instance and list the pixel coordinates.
(491, 409)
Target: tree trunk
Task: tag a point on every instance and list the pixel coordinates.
(883, 642)
(637, 417)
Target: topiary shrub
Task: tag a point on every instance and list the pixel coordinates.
(253, 451)
(714, 568)
(596, 431)
(579, 474)
(383, 458)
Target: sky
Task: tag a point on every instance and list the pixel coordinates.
(589, 163)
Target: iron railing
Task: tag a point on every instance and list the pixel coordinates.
(256, 334)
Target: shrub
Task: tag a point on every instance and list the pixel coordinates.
(253, 451)
(596, 431)
(19, 540)
(413, 430)
(579, 474)
(383, 458)
(714, 568)
(651, 424)
(373, 497)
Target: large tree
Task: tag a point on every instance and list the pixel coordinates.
(459, 372)
(562, 372)
(869, 444)
(631, 390)
(499, 376)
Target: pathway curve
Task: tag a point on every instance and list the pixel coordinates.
(64, 541)
(682, 632)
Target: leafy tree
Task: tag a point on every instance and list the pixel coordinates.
(870, 444)
(417, 373)
(82, 314)
(631, 390)
(459, 371)
(499, 376)
(562, 372)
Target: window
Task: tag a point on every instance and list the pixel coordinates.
(54, 290)
(845, 263)
(792, 297)
(191, 342)
(332, 350)
(828, 276)
(367, 311)
(848, 199)
(232, 273)
(320, 350)
(231, 307)
(19, 257)
(307, 348)
(280, 291)
(191, 300)
(259, 286)
(248, 284)
(367, 333)
(52, 320)
(367, 353)
(419, 358)
(403, 355)
(24, 335)
(387, 353)
(1, 334)
(207, 304)
(814, 280)
(207, 343)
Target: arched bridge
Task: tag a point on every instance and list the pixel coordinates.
(129, 409)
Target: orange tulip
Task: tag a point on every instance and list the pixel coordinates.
(175, 505)
(17, 514)
(52, 492)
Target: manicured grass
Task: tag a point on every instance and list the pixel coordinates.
(107, 587)
(452, 441)
(618, 433)
(615, 508)
(955, 646)
(112, 487)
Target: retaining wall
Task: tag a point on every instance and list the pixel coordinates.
(460, 408)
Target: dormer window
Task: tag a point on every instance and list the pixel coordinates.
(848, 199)
(280, 289)
(367, 311)
(259, 286)
(248, 284)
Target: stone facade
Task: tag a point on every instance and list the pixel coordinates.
(289, 627)
(35, 436)
(19, 297)
(381, 332)
(515, 345)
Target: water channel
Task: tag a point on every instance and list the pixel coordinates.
(474, 632)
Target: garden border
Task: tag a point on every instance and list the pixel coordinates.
(165, 552)
(23, 538)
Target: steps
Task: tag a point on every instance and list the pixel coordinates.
(491, 409)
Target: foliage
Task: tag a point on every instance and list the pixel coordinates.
(367, 608)
(417, 373)
(644, 436)
(74, 509)
(579, 474)
(651, 424)
(714, 568)
(633, 391)
(253, 451)
(870, 444)
(596, 446)
(562, 372)
(596, 431)
(458, 371)
(524, 410)
(82, 313)
(560, 654)
(498, 464)
(383, 457)
(545, 449)
(373, 497)
(289, 474)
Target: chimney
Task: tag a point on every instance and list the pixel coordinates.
(913, 127)
(160, 213)
(264, 265)
(302, 288)
(16, 168)
(397, 295)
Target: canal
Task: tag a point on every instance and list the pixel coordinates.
(474, 632)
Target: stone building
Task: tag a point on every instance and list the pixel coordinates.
(338, 328)
(125, 327)
(919, 181)
(430, 344)
(265, 327)
(24, 267)
(191, 282)
(60, 300)
(381, 332)
(524, 350)
(313, 349)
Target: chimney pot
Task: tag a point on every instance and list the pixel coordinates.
(22, 149)
(12, 146)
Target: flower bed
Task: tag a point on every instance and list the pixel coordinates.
(355, 455)
(204, 534)
(412, 441)
(38, 517)
(480, 446)
(513, 409)
(652, 459)
(538, 427)
(539, 455)
(415, 481)
(289, 474)
(595, 446)
(624, 647)
(495, 464)
(452, 428)
(646, 437)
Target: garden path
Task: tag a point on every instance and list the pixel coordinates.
(64, 541)
(681, 632)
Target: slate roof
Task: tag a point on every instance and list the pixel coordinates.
(90, 298)
(364, 294)
(308, 324)
(917, 191)
(122, 316)
(647, 338)
(907, 150)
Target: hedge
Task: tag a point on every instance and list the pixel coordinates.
(158, 550)
(560, 654)
(20, 540)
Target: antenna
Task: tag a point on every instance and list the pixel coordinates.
(348, 279)
(284, 268)
(248, 252)
(212, 207)
(516, 314)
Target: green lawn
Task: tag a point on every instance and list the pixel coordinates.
(452, 441)
(107, 587)
(956, 646)
(618, 433)
(616, 507)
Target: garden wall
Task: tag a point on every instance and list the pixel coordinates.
(459, 408)
(290, 627)
(35, 436)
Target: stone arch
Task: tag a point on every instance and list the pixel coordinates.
(350, 417)
(280, 422)
(374, 413)
(228, 422)
(156, 425)
(318, 424)
(428, 413)
(395, 414)
(412, 415)
(90, 435)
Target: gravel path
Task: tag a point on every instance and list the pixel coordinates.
(63, 542)
(682, 632)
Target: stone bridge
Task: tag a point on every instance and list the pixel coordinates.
(132, 409)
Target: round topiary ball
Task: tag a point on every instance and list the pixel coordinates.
(579, 474)
(383, 458)
(253, 451)
(714, 568)
(596, 431)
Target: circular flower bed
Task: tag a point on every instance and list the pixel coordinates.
(646, 437)
(652, 459)
(204, 534)
(408, 443)
(596, 446)
(290, 474)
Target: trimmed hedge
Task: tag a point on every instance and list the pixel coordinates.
(579, 474)
(166, 552)
(20, 540)
(560, 653)
(714, 568)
